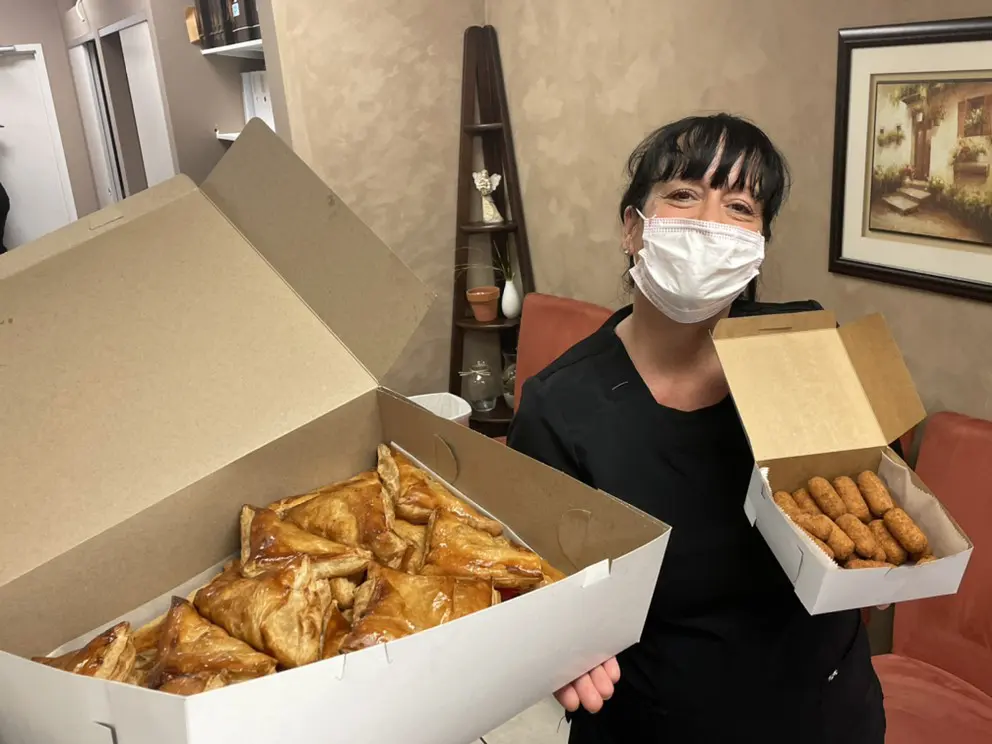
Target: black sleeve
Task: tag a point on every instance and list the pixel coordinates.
(539, 431)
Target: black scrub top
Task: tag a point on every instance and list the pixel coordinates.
(728, 650)
(4, 211)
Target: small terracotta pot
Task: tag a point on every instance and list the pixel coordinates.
(484, 301)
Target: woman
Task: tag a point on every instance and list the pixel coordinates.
(641, 409)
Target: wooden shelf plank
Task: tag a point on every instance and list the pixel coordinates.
(244, 49)
(492, 126)
(471, 324)
(482, 227)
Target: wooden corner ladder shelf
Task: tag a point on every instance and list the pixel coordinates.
(484, 96)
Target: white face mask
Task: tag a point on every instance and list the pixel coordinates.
(691, 270)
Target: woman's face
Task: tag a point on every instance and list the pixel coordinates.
(693, 200)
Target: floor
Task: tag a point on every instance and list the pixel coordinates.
(542, 724)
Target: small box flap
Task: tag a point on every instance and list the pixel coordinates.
(153, 353)
(754, 325)
(884, 376)
(330, 258)
(796, 390)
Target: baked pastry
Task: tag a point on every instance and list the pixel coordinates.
(195, 655)
(336, 629)
(193, 684)
(356, 512)
(280, 613)
(455, 548)
(416, 495)
(268, 543)
(343, 591)
(392, 604)
(109, 656)
(416, 536)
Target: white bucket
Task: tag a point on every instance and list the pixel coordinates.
(445, 405)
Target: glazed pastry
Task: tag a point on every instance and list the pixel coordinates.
(849, 493)
(343, 592)
(193, 684)
(268, 543)
(109, 656)
(416, 536)
(195, 655)
(456, 549)
(280, 613)
(416, 495)
(336, 629)
(357, 513)
(392, 604)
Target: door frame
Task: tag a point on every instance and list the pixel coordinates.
(45, 82)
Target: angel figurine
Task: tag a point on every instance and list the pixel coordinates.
(486, 185)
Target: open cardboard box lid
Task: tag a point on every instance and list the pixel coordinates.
(147, 346)
(803, 386)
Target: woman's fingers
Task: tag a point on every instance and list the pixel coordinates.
(612, 669)
(568, 698)
(589, 696)
(590, 690)
(602, 682)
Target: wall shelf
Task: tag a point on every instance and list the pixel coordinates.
(245, 50)
(228, 136)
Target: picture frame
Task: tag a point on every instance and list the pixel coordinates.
(912, 170)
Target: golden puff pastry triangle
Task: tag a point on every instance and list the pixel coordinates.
(356, 512)
(392, 604)
(416, 495)
(268, 543)
(280, 613)
(455, 548)
(109, 656)
(195, 655)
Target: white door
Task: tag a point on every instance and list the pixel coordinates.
(96, 124)
(33, 168)
(148, 102)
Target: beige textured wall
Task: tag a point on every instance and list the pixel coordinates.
(40, 22)
(588, 78)
(373, 93)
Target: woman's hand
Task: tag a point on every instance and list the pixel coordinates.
(590, 690)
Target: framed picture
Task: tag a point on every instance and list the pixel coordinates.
(912, 184)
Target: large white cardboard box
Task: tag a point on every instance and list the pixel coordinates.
(816, 399)
(192, 349)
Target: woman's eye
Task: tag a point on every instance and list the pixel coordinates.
(682, 195)
(742, 208)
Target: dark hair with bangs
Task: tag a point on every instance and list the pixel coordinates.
(686, 149)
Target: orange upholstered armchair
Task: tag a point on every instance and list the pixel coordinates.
(938, 680)
(550, 326)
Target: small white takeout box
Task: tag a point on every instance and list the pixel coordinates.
(190, 350)
(816, 399)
